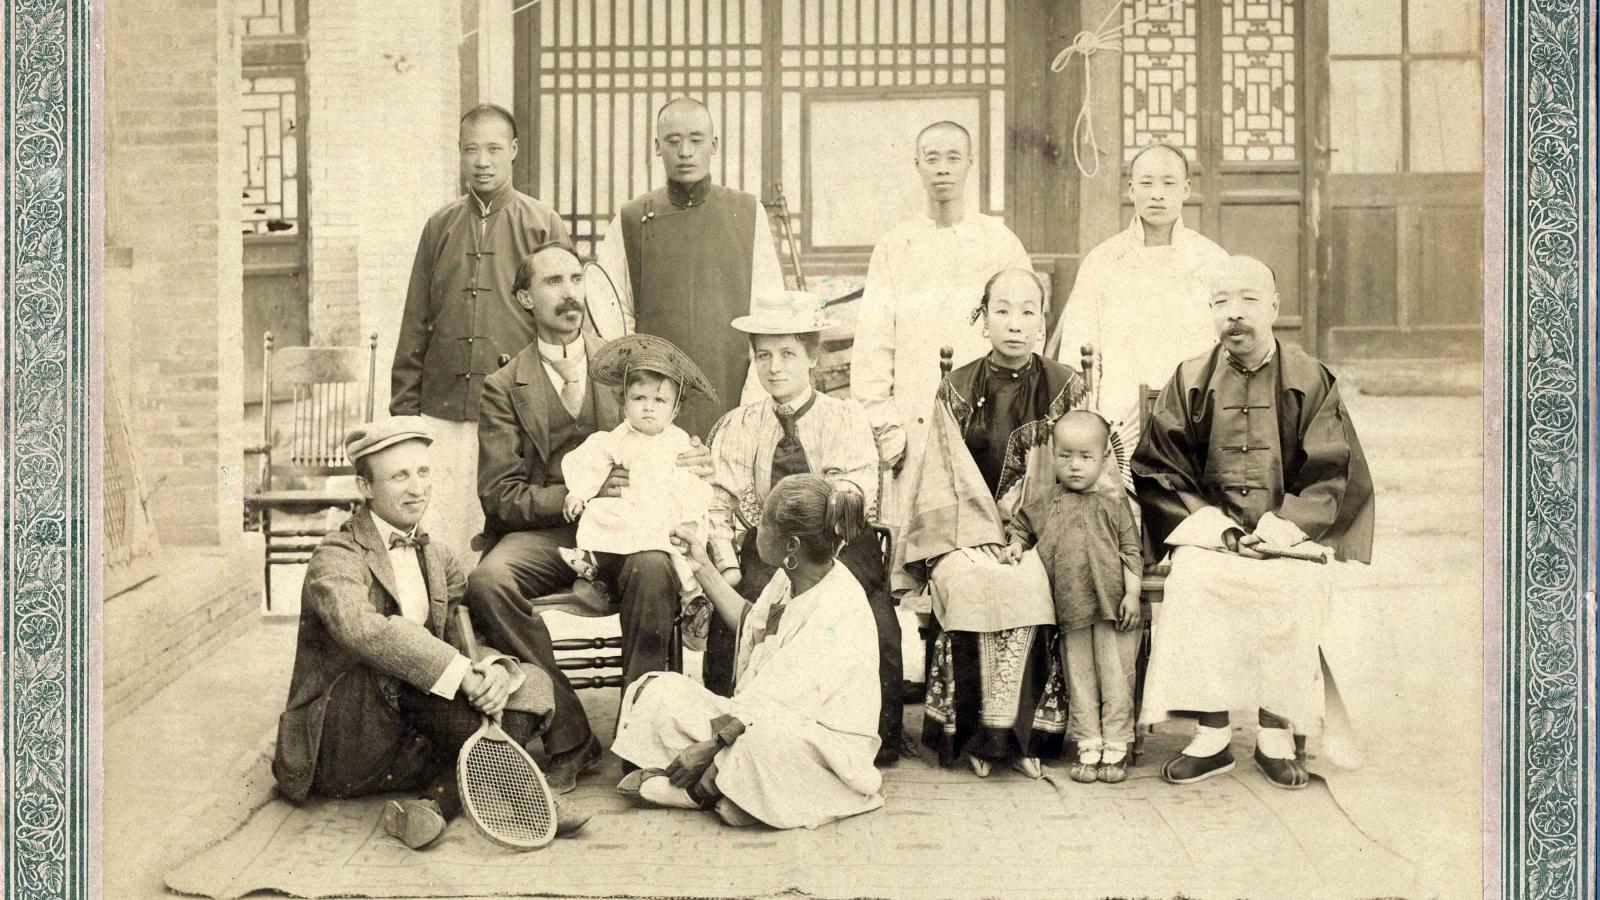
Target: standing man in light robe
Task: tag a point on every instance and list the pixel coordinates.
(461, 314)
(688, 258)
(1250, 454)
(1141, 297)
(923, 282)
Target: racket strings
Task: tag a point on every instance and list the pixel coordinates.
(503, 792)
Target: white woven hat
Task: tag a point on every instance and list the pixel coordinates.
(791, 312)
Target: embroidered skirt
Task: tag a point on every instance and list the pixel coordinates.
(995, 695)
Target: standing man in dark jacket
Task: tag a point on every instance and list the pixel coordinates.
(689, 258)
(460, 314)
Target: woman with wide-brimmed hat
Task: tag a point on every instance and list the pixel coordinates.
(794, 430)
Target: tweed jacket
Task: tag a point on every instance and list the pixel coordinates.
(350, 618)
(519, 470)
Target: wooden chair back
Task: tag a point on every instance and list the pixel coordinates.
(330, 390)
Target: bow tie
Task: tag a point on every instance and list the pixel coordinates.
(398, 540)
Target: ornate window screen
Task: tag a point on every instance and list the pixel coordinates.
(893, 48)
(1160, 74)
(601, 70)
(271, 202)
(1258, 81)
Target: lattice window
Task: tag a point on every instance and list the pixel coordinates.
(900, 50)
(603, 68)
(1258, 78)
(1160, 71)
(267, 17)
(271, 201)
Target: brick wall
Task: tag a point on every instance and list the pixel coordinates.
(172, 198)
(381, 135)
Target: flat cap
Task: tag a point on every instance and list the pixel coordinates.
(367, 439)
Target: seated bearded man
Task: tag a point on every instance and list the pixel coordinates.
(1251, 471)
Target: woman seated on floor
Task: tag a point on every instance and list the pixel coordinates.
(795, 430)
(793, 747)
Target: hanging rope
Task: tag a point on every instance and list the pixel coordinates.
(1085, 45)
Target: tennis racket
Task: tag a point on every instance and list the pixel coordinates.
(605, 304)
(502, 791)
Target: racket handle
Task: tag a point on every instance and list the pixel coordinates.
(464, 620)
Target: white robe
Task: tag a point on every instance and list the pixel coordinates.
(923, 283)
(806, 695)
(1145, 309)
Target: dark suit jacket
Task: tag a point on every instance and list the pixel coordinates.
(519, 471)
(350, 618)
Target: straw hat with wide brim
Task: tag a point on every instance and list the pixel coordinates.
(791, 312)
(612, 363)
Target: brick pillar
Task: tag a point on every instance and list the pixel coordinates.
(381, 153)
(174, 274)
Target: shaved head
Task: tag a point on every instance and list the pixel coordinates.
(1239, 273)
(1158, 148)
(686, 106)
(945, 126)
(686, 139)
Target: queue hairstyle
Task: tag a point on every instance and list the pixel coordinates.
(824, 515)
(524, 278)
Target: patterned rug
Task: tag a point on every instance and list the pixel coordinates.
(941, 833)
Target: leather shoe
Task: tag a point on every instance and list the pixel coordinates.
(562, 776)
(415, 823)
(570, 819)
(1186, 769)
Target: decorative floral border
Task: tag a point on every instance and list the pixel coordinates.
(47, 555)
(1547, 834)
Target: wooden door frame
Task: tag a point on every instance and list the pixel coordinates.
(1316, 248)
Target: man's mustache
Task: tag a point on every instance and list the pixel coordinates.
(569, 306)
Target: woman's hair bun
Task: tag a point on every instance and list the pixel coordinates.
(847, 510)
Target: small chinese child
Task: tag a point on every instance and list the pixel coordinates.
(660, 494)
(1090, 548)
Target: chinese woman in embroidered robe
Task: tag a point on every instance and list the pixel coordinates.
(995, 689)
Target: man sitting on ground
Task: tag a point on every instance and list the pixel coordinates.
(382, 697)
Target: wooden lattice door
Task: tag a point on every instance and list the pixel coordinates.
(1226, 81)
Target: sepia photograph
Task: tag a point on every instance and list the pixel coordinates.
(827, 448)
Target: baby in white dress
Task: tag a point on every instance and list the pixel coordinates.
(660, 494)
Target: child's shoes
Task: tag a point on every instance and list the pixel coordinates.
(580, 561)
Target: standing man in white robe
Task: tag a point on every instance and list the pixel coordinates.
(923, 284)
(1141, 296)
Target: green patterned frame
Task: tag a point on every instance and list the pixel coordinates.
(1542, 424)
